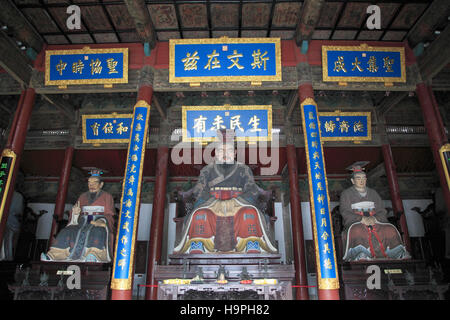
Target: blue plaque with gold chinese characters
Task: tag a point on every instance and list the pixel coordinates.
(327, 273)
(106, 128)
(86, 66)
(7, 163)
(363, 64)
(345, 126)
(129, 204)
(224, 59)
(251, 123)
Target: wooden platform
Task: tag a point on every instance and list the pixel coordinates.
(400, 280)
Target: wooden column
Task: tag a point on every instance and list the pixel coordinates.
(63, 186)
(394, 189)
(157, 224)
(301, 278)
(432, 120)
(16, 142)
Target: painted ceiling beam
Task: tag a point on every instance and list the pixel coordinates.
(19, 26)
(144, 26)
(309, 17)
(62, 105)
(158, 107)
(436, 56)
(427, 24)
(387, 103)
(14, 61)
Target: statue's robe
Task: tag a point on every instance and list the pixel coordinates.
(381, 241)
(79, 240)
(226, 216)
(12, 229)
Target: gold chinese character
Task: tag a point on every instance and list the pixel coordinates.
(213, 62)
(134, 158)
(77, 67)
(95, 127)
(330, 126)
(315, 155)
(96, 66)
(190, 62)
(327, 264)
(343, 126)
(259, 59)
(324, 222)
(372, 64)
(217, 123)
(111, 64)
(126, 226)
(131, 181)
(235, 59)
(319, 186)
(311, 115)
(320, 198)
(130, 192)
(314, 144)
(356, 65)
(127, 214)
(254, 122)
(60, 67)
(124, 239)
(136, 137)
(388, 64)
(140, 117)
(133, 169)
(128, 203)
(326, 248)
(358, 127)
(339, 65)
(121, 129)
(322, 210)
(138, 127)
(325, 235)
(318, 175)
(121, 263)
(312, 126)
(123, 252)
(316, 165)
(236, 123)
(199, 124)
(108, 128)
(313, 134)
(135, 148)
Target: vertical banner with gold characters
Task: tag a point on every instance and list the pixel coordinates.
(7, 162)
(122, 276)
(327, 273)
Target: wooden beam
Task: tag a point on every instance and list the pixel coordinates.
(144, 26)
(64, 106)
(292, 103)
(427, 24)
(436, 56)
(158, 107)
(14, 61)
(309, 17)
(387, 103)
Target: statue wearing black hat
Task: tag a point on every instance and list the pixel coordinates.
(367, 233)
(226, 216)
(88, 237)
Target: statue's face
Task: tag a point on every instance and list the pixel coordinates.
(94, 184)
(225, 153)
(359, 180)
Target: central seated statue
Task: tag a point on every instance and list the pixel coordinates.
(226, 215)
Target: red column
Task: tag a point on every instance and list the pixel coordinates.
(16, 142)
(145, 93)
(436, 134)
(301, 278)
(157, 224)
(63, 185)
(394, 189)
(305, 91)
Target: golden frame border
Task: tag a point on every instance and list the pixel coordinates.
(126, 284)
(10, 154)
(184, 110)
(343, 113)
(445, 148)
(49, 53)
(362, 47)
(224, 40)
(84, 117)
(329, 283)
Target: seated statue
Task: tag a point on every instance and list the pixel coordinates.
(367, 233)
(226, 216)
(88, 237)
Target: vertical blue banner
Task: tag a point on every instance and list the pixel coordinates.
(320, 210)
(129, 205)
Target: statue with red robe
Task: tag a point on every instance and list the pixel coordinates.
(88, 237)
(367, 234)
(226, 217)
